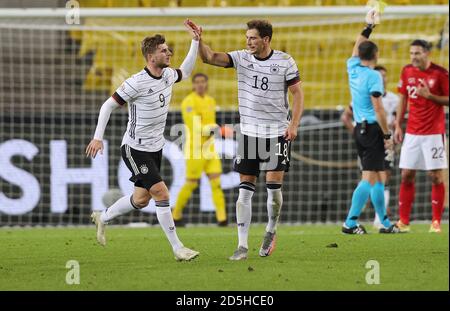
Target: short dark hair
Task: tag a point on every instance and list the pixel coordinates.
(380, 68)
(198, 75)
(264, 27)
(427, 46)
(150, 44)
(367, 50)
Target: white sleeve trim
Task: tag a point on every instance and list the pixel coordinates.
(105, 112)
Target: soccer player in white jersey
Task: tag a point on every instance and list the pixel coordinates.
(148, 95)
(264, 78)
(390, 102)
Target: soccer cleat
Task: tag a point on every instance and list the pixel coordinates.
(185, 254)
(391, 229)
(435, 227)
(240, 254)
(95, 217)
(268, 245)
(402, 227)
(358, 229)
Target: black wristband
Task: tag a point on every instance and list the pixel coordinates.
(367, 31)
(387, 136)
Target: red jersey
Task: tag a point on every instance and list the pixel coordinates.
(425, 116)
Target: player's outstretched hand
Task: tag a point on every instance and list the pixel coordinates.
(291, 133)
(193, 29)
(398, 135)
(94, 147)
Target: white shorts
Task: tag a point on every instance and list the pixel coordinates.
(424, 152)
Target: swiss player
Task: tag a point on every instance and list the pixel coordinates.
(267, 127)
(423, 87)
(148, 95)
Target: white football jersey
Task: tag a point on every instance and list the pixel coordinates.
(263, 91)
(148, 99)
(390, 102)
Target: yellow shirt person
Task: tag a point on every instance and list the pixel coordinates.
(199, 116)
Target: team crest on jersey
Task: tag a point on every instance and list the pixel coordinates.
(144, 169)
(411, 80)
(238, 159)
(274, 68)
(431, 82)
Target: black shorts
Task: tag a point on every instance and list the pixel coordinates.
(262, 154)
(144, 166)
(370, 146)
(388, 165)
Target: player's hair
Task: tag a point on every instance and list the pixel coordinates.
(150, 44)
(199, 74)
(264, 27)
(367, 50)
(380, 68)
(427, 46)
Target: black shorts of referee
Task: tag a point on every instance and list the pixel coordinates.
(370, 145)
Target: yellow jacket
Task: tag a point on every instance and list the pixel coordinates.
(199, 116)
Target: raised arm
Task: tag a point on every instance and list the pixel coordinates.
(96, 144)
(189, 62)
(211, 57)
(372, 18)
(207, 55)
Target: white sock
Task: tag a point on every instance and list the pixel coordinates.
(386, 198)
(121, 207)
(386, 204)
(274, 203)
(376, 221)
(244, 212)
(164, 215)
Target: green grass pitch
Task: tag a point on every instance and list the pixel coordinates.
(141, 259)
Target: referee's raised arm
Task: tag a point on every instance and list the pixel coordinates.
(371, 19)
